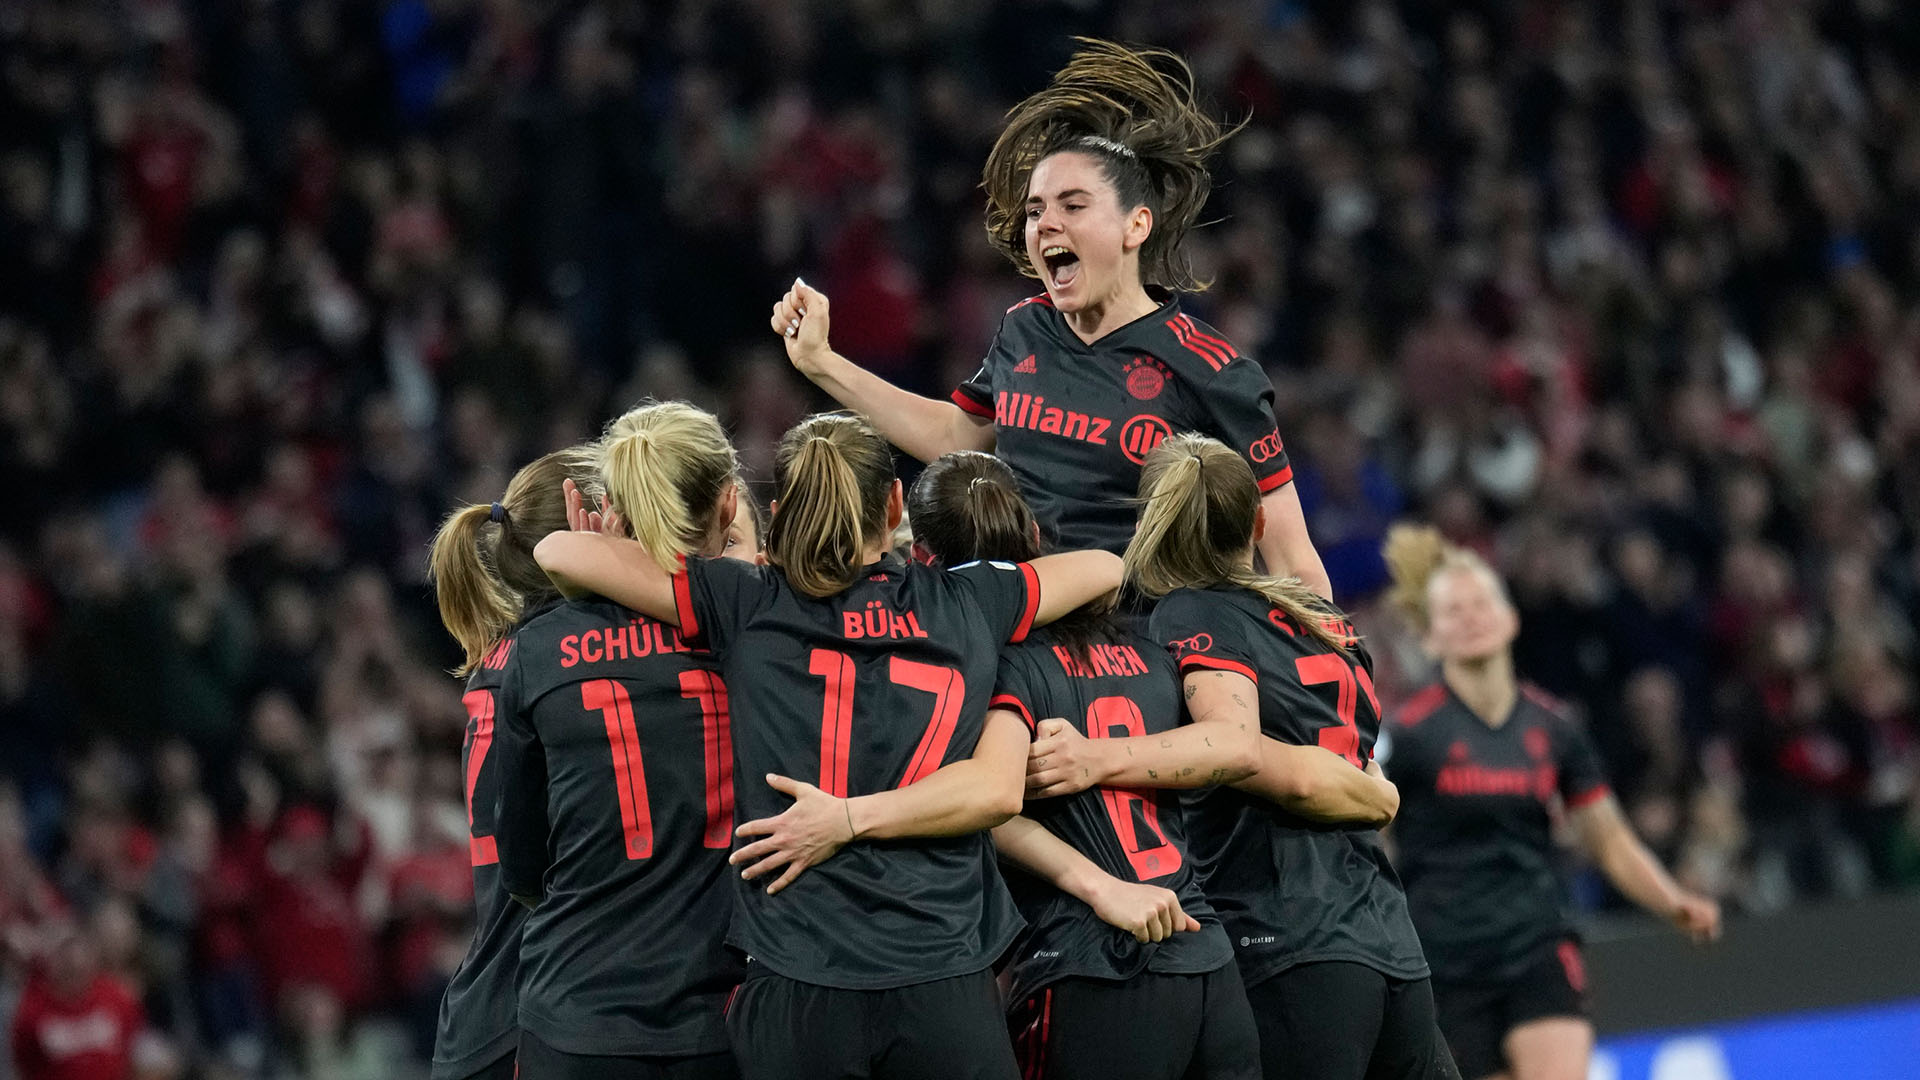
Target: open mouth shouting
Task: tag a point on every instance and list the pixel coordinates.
(1063, 266)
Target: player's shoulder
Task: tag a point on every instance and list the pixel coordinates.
(1027, 324)
(1192, 348)
(1548, 708)
(1421, 707)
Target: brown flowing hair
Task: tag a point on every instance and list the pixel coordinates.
(833, 473)
(484, 576)
(1134, 111)
(1198, 505)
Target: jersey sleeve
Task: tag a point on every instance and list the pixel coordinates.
(975, 395)
(1013, 689)
(1583, 781)
(1236, 407)
(1007, 593)
(1191, 629)
(521, 825)
(713, 598)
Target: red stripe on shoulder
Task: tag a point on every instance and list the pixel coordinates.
(966, 403)
(1546, 701)
(1008, 701)
(1590, 796)
(1184, 333)
(1421, 705)
(1211, 340)
(1042, 299)
(1277, 480)
(1032, 608)
(1215, 663)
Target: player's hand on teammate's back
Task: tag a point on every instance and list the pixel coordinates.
(801, 318)
(805, 834)
(1061, 762)
(1698, 917)
(606, 520)
(1148, 912)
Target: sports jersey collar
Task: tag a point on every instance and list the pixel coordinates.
(890, 563)
(1513, 713)
(1137, 334)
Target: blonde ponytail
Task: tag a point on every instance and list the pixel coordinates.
(834, 473)
(665, 466)
(1415, 555)
(1198, 503)
(475, 608)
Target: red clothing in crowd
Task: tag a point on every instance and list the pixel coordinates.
(89, 1036)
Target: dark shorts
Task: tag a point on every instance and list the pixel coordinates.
(1477, 1016)
(539, 1061)
(948, 1029)
(1344, 1021)
(501, 1069)
(1149, 1027)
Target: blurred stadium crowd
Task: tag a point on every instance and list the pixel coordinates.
(1629, 301)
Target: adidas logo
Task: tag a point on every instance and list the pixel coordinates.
(1025, 367)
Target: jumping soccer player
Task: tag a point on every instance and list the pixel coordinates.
(1091, 188)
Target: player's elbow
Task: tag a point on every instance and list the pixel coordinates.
(1387, 802)
(1000, 803)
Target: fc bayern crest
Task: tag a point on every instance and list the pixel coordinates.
(1146, 377)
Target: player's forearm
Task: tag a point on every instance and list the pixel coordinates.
(1201, 754)
(922, 426)
(1028, 845)
(964, 797)
(1320, 784)
(1636, 873)
(1070, 580)
(619, 570)
(1286, 548)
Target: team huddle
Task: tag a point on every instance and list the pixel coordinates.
(1078, 779)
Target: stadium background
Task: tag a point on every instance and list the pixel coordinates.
(1625, 295)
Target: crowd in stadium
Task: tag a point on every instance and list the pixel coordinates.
(1630, 305)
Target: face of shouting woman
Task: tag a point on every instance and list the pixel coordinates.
(1085, 245)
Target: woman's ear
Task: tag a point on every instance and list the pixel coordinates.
(896, 505)
(921, 555)
(1259, 523)
(1139, 227)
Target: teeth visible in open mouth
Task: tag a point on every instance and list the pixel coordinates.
(1053, 251)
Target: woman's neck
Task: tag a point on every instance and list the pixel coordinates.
(1486, 686)
(1098, 319)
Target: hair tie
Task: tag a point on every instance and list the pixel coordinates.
(1111, 146)
(498, 514)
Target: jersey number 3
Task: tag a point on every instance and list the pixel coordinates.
(949, 691)
(611, 701)
(1352, 679)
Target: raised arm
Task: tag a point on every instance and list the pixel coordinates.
(922, 426)
(1604, 832)
(1220, 746)
(964, 797)
(1148, 912)
(1073, 579)
(1309, 781)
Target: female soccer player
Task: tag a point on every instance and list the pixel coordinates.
(1479, 759)
(1124, 969)
(1091, 188)
(866, 673)
(616, 799)
(487, 584)
(1333, 969)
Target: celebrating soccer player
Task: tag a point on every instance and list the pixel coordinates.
(1124, 969)
(487, 584)
(1332, 966)
(862, 673)
(616, 808)
(1480, 760)
(1091, 188)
